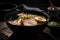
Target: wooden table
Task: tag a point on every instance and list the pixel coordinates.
(5, 30)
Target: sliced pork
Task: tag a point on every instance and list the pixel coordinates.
(29, 22)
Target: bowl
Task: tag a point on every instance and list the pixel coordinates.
(54, 12)
(5, 8)
(29, 29)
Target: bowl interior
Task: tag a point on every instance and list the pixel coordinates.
(31, 12)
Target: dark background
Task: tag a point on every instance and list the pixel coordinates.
(42, 4)
(37, 3)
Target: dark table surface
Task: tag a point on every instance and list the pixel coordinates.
(45, 35)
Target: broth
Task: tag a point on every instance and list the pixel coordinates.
(27, 19)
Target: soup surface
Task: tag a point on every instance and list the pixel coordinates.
(27, 19)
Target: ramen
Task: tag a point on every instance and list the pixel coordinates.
(27, 19)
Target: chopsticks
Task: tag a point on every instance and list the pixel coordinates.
(52, 6)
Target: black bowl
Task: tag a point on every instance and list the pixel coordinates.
(37, 28)
(5, 8)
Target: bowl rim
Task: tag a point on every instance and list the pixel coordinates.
(10, 4)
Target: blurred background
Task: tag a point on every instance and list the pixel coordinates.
(42, 4)
(37, 3)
